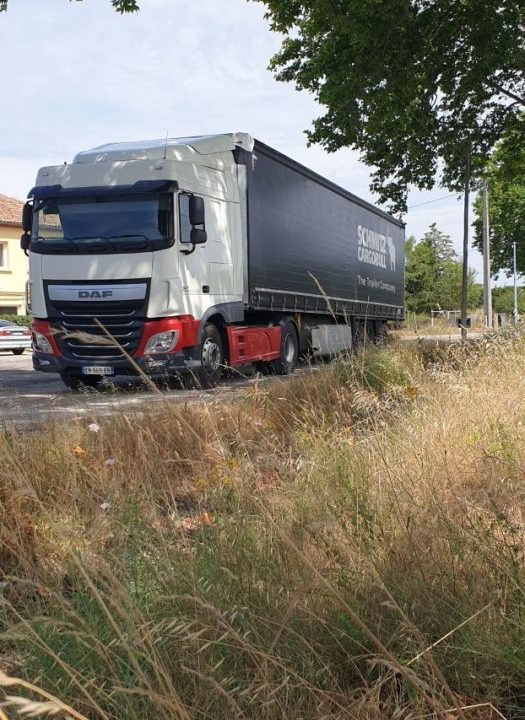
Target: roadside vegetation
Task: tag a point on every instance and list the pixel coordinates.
(433, 275)
(345, 544)
(24, 320)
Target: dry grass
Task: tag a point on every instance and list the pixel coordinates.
(348, 544)
(423, 325)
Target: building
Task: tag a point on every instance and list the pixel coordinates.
(13, 262)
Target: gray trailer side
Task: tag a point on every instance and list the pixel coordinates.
(315, 248)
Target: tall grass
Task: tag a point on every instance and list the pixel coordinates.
(345, 544)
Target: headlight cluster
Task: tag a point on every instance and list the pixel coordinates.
(161, 342)
(41, 343)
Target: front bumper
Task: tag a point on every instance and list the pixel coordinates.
(182, 359)
(152, 365)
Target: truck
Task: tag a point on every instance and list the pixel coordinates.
(200, 254)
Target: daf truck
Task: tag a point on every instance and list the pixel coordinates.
(199, 254)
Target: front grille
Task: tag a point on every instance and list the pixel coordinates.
(79, 337)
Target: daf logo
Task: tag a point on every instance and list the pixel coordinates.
(94, 294)
(98, 293)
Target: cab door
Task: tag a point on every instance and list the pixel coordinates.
(219, 241)
(206, 268)
(194, 260)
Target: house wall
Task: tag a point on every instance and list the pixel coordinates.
(13, 271)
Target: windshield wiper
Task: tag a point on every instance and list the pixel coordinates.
(92, 243)
(139, 235)
(109, 238)
(41, 238)
(97, 242)
(148, 242)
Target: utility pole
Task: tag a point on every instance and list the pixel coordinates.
(464, 285)
(515, 318)
(487, 285)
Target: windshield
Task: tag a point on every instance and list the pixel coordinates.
(114, 223)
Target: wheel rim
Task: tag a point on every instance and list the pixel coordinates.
(211, 356)
(289, 349)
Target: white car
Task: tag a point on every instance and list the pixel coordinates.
(15, 338)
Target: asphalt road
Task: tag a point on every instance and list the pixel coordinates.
(28, 397)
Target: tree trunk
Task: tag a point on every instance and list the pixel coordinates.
(464, 285)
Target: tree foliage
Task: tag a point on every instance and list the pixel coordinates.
(121, 6)
(506, 181)
(503, 300)
(125, 6)
(412, 84)
(433, 274)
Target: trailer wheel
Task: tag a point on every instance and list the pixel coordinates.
(380, 332)
(285, 364)
(211, 357)
(77, 382)
(358, 334)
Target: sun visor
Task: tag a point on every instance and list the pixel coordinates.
(46, 192)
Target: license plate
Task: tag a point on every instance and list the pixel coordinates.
(97, 370)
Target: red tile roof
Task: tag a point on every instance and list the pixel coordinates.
(10, 211)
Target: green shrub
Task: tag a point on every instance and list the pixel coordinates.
(24, 320)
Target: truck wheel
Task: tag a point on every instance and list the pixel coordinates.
(77, 382)
(285, 365)
(18, 351)
(211, 357)
(264, 368)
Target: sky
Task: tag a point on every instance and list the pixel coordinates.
(77, 74)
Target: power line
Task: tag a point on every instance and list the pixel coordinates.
(436, 200)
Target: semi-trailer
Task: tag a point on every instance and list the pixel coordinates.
(201, 253)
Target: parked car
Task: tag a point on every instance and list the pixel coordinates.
(14, 337)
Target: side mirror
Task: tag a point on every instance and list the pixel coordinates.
(24, 242)
(196, 210)
(27, 217)
(198, 236)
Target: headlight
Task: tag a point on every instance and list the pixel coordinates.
(161, 342)
(42, 343)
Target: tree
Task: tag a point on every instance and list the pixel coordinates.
(441, 244)
(503, 299)
(414, 85)
(449, 288)
(506, 182)
(420, 276)
(121, 6)
(422, 88)
(433, 274)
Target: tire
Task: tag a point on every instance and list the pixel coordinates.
(262, 367)
(212, 358)
(380, 332)
(286, 363)
(358, 334)
(18, 351)
(78, 382)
